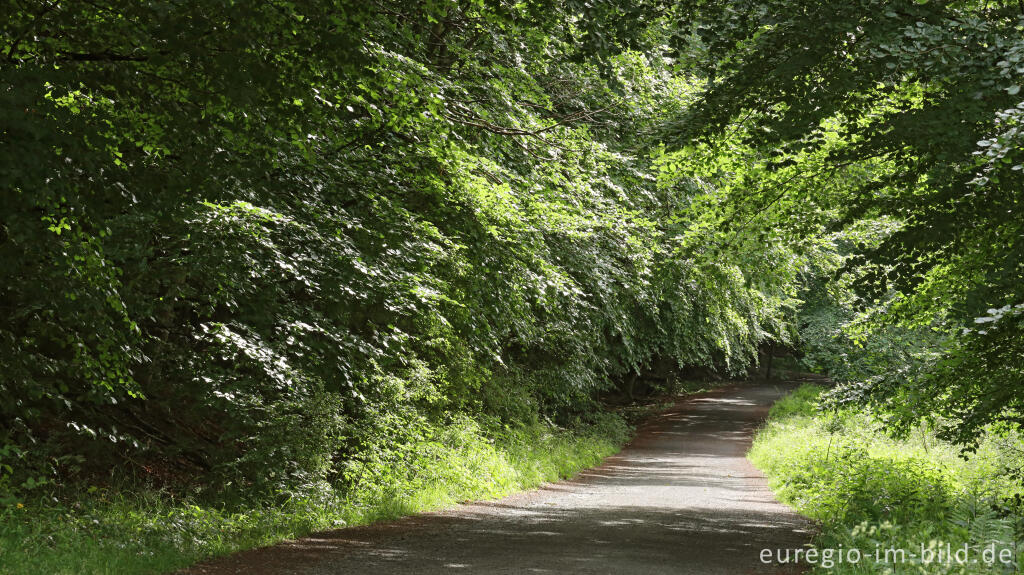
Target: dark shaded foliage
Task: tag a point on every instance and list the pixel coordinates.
(246, 244)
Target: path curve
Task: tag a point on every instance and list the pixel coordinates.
(681, 498)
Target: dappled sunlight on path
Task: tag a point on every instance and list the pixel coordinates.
(680, 499)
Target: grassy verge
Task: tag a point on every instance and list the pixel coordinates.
(896, 501)
(103, 532)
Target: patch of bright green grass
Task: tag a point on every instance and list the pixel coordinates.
(106, 533)
(872, 492)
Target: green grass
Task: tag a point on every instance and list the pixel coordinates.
(102, 532)
(870, 491)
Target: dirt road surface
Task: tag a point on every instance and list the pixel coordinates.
(681, 499)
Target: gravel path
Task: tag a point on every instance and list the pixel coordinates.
(680, 499)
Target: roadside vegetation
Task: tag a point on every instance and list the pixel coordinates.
(119, 530)
(902, 496)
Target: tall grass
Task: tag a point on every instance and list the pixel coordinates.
(103, 532)
(874, 493)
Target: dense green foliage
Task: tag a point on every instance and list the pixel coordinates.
(250, 249)
(870, 491)
(899, 120)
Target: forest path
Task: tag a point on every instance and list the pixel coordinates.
(681, 498)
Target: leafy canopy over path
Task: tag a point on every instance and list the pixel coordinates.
(272, 247)
(268, 245)
(906, 116)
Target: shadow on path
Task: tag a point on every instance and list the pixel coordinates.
(680, 499)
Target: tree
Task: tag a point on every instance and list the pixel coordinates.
(924, 96)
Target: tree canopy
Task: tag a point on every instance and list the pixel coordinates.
(911, 111)
(259, 243)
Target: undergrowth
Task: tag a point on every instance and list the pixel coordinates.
(114, 531)
(896, 501)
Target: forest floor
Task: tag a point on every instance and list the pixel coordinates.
(681, 498)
